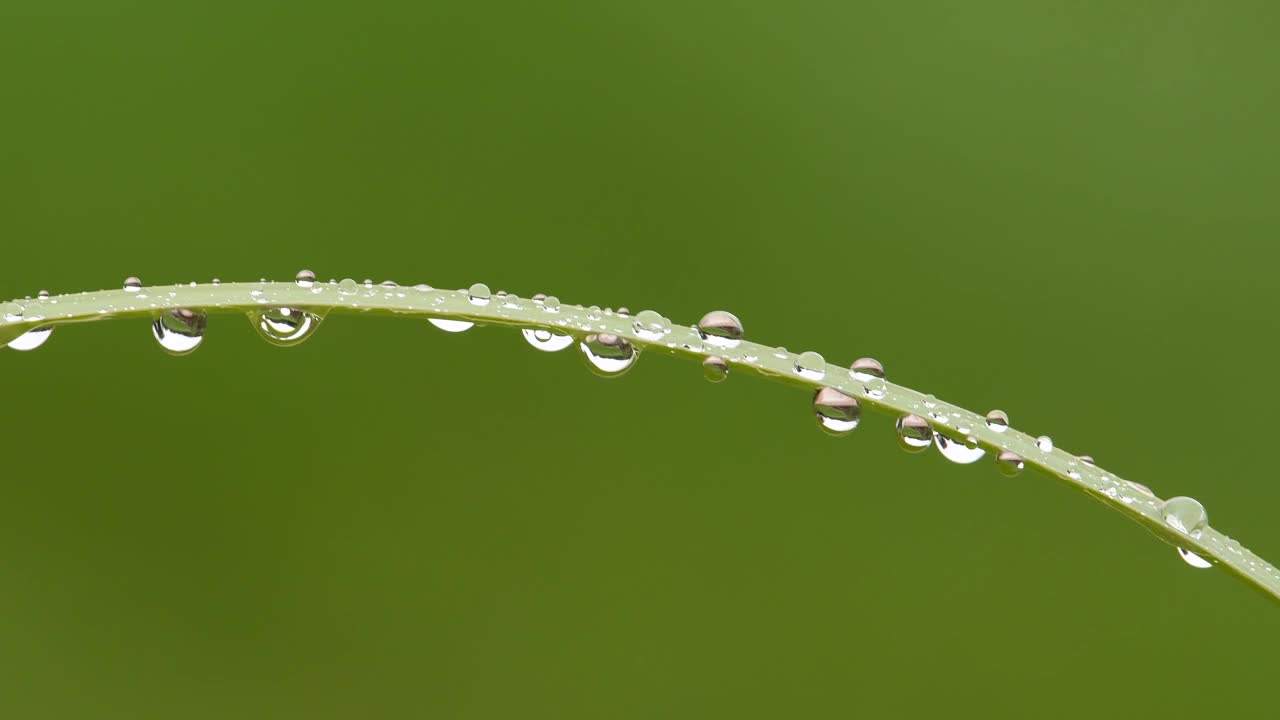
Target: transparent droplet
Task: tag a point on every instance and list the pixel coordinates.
(957, 451)
(810, 365)
(551, 304)
(32, 339)
(715, 369)
(997, 420)
(216, 281)
(12, 312)
(914, 433)
(1184, 514)
(866, 370)
(624, 311)
(453, 326)
(347, 286)
(43, 294)
(389, 284)
(479, 294)
(132, 284)
(721, 329)
(1142, 488)
(1044, 443)
(285, 326)
(1087, 460)
(546, 340)
(837, 412)
(650, 325)
(179, 331)
(1010, 464)
(538, 297)
(607, 354)
(305, 278)
(1193, 559)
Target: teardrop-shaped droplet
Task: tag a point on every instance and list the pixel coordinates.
(997, 420)
(479, 294)
(607, 354)
(32, 339)
(305, 278)
(837, 412)
(180, 331)
(132, 284)
(650, 325)
(715, 369)
(1044, 443)
(1193, 559)
(810, 365)
(866, 370)
(347, 286)
(914, 433)
(1010, 464)
(956, 451)
(452, 326)
(546, 340)
(1184, 514)
(721, 329)
(285, 326)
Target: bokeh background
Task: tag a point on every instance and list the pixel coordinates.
(1065, 210)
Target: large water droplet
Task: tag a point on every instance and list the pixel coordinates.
(715, 369)
(132, 284)
(1044, 443)
(914, 433)
(957, 451)
(453, 326)
(546, 340)
(305, 278)
(607, 354)
(866, 370)
(650, 325)
(1184, 514)
(32, 339)
(721, 329)
(810, 365)
(347, 286)
(285, 326)
(997, 420)
(479, 294)
(1193, 559)
(1009, 464)
(180, 331)
(837, 412)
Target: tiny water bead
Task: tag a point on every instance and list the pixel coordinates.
(1044, 443)
(810, 365)
(720, 328)
(546, 340)
(539, 298)
(305, 278)
(914, 433)
(285, 326)
(957, 451)
(43, 294)
(607, 354)
(551, 304)
(715, 369)
(997, 420)
(1087, 460)
(132, 284)
(479, 294)
(837, 412)
(1193, 559)
(866, 370)
(180, 331)
(1184, 514)
(650, 325)
(452, 326)
(1009, 464)
(32, 339)
(347, 286)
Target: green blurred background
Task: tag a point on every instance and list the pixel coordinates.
(1065, 210)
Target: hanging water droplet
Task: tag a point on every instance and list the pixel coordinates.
(551, 304)
(180, 331)
(12, 312)
(285, 326)
(305, 278)
(1044, 443)
(650, 325)
(837, 412)
(479, 294)
(546, 340)
(453, 326)
(32, 339)
(715, 369)
(607, 354)
(1184, 514)
(997, 420)
(866, 370)
(132, 284)
(1009, 464)
(914, 433)
(810, 365)
(721, 329)
(957, 451)
(347, 286)
(1193, 559)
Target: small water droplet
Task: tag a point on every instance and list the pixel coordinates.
(866, 370)
(12, 312)
(956, 451)
(132, 284)
(551, 304)
(216, 281)
(479, 294)
(285, 326)
(1142, 488)
(422, 287)
(389, 284)
(1184, 514)
(650, 325)
(914, 433)
(32, 339)
(1044, 443)
(305, 278)
(180, 331)
(1193, 559)
(43, 294)
(997, 420)
(837, 412)
(623, 311)
(453, 326)
(607, 354)
(1087, 460)
(715, 369)
(347, 286)
(810, 365)
(1009, 464)
(720, 328)
(538, 298)
(546, 340)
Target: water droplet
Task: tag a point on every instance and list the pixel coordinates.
(866, 370)
(1009, 464)
(650, 325)
(180, 331)
(1142, 488)
(12, 312)
(1087, 460)
(305, 278)
(1184, 514)
(479, 294)
(837, 412)
(348, 287)
(453, 326)
(43, 294)
(32, 339)
(422, 287)
(720, 328)
(546, 340)
(551, 304)
(715, 369)
(956, 451)
(285, 326)
(1044, 443)
(914, 433)
(538, 298)
(389, 283)
(607, 354)
(997, 420)
(810, 365)
(1193, 559)
(216, 281)
(623, 311)
(594, 312)
(132, 284)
